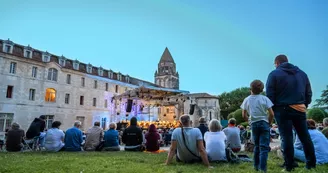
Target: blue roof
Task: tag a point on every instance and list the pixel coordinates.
(111, 81)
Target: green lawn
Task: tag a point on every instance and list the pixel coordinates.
(124, 162)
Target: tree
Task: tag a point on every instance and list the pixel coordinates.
(238, 116)
(231, 101)
(316, 114)
(323, 101)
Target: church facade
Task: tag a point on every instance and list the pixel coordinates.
(35, 83)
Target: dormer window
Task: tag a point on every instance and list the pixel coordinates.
(8, 46)
(127, 78)
(46, 57)
(89, 68)
(28, 52)
(62, 61)
(110, 74)
(119, 76)
(76, 65)
(100, 71)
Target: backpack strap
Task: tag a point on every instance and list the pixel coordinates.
(184, 141)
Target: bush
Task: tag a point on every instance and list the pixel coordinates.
(238, 116)
(245, 124)
(316, 114)
(230, 115)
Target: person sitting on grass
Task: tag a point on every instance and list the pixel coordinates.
(233, 135)
(93, 137)
(73, 138)
(54, 138)
(325, 129)
(152, 139)
(14, 138)
(187, 143)
(257, 105)
(111, 138)
(132, 137)
(320, 143)
(215, 141)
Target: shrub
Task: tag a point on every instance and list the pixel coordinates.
(316, 114)
(238, 116)
(230, 115)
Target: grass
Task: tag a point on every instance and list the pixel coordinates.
(119, 162)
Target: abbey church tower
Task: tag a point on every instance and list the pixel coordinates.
(166, 75)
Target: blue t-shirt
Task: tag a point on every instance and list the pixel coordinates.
(257, 106)
(111, 138)
(73, 139)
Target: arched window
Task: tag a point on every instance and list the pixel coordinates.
(52, 74)
(50, 95)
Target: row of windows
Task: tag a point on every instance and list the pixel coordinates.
(53, 74)
(6, 119)
(50, 96)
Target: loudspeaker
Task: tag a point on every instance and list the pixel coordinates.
(192, 109)
(129, 106)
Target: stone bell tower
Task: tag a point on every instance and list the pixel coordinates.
(166, 75)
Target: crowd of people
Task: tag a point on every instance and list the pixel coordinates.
(288, 95)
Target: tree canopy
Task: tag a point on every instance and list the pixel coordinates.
(323, 101)
(316, 114)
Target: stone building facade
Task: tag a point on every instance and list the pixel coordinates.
(35, 83)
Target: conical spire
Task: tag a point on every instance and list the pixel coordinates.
(167, 57)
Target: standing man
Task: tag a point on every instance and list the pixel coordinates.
(289, 89)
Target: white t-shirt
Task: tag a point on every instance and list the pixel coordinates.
(257, 106)
(215, 145)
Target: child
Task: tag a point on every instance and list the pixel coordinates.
(256, 106)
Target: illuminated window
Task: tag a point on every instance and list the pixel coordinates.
(50, 95)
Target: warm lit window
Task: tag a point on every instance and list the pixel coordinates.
(68, 79)
(31, 95)
(10, 90)
(94, 102)
(66, 98)
(12, 68)
(50, 95)
(52, 74)
(5, 121)
(34, 72)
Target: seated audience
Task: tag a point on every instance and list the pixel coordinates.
(320, 143)
(36, 129)
(187, 143)
(132, 137)
(203, 127)
(73, 138)
(14, 138)
(215, 142)
(233, 135)
(54, 139)
(168, 136)
(325, 127)
(93, 137)
(152, 138)
(111, 139)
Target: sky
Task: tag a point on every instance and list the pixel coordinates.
(218, 46)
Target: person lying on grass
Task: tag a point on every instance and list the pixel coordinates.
(188, 142)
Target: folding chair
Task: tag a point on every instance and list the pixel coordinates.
(32, 144)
